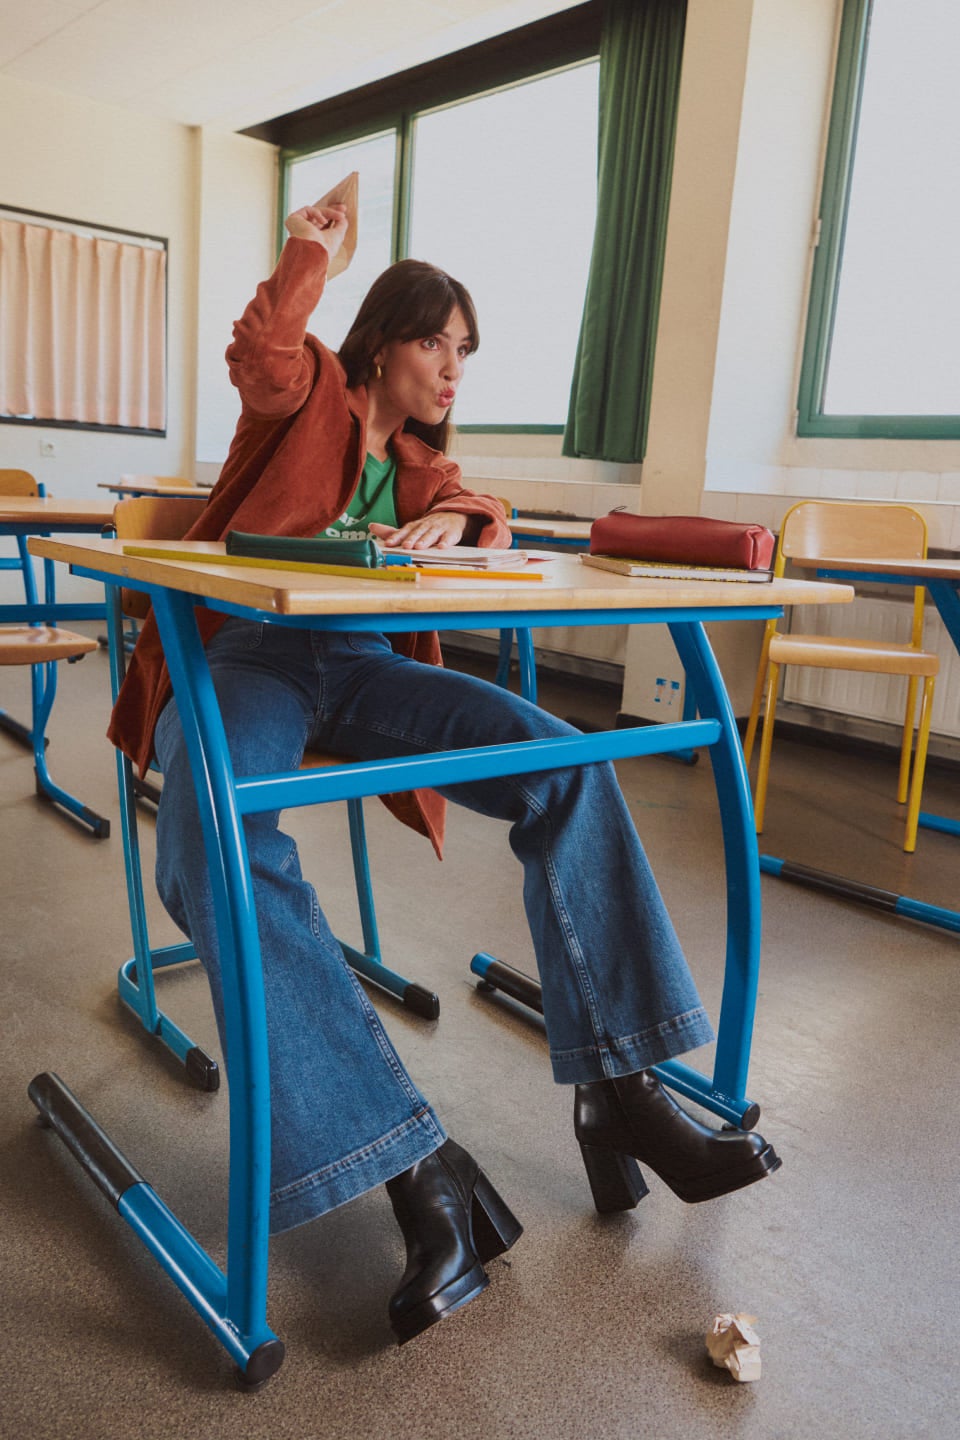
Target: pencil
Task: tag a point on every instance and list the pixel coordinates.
(465, 572)
(394, 573)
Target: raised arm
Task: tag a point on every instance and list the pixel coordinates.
(267, 359)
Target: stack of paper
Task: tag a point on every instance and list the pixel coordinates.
(469, 557)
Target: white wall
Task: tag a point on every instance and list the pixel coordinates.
(71, 157)
(66, 156)
(237, 183)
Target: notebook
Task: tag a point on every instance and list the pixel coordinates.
(667, 570)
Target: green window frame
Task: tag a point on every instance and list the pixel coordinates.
(852, 58)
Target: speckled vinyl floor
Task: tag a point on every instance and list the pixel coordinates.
(591, 1329)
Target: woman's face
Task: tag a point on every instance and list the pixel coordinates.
(420, 377)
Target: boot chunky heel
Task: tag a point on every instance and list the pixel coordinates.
(615, 1180)
(453, 1221)
(495, 1227)
(633, 1118)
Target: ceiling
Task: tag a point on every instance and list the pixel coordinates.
(233, 63)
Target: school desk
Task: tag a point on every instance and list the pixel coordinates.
(233, 1301)
(942, 580)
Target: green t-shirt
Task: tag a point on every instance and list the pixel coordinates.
(373, 500)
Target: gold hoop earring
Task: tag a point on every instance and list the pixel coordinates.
(377, 371)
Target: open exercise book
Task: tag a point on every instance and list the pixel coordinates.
(667, 570)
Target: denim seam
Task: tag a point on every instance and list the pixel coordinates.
(640, 1037)
(316, 1178)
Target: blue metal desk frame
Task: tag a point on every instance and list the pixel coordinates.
(233, 1304)
(945, 594)
(43, 677)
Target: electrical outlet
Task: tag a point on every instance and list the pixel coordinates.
(48, 448)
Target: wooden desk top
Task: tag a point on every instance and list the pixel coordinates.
(15, 509)
(567, 585)
(148, 487)
(927, 569)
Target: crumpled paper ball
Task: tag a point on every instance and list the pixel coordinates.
(734, 1345)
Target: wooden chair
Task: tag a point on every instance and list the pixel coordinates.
(18, 482)
(815, 528)
(42, 647)
(168, 518)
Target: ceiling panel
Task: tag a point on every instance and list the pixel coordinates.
(234, 63)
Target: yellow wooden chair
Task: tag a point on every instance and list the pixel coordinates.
(831, 528)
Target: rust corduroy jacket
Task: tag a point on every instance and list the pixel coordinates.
(294, 464)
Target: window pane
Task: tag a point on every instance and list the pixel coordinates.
(895, 349)
(504, 199)
(311, 176)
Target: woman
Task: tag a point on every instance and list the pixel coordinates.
(349, 442)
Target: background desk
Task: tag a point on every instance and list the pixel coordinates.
(572, 534)
(147, 486)
(942, 580)
(22, 515)
(234, 1304)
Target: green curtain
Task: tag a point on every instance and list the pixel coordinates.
(640, 53)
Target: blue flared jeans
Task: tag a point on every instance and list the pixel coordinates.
(345, 1115)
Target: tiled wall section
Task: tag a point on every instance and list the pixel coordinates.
(535, 476)
(762, 494)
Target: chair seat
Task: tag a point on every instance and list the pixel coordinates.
(879, 657)
(317, 759)
(36, 644)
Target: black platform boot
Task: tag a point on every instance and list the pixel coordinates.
(619, 1122)
(453, 1221)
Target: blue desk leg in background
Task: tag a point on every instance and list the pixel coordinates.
(945, 597)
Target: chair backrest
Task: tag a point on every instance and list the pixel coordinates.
(152, 517)
(856, 531)
(18, 482)
(156, 517)
(869, 530)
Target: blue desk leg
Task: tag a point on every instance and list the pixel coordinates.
(135, 980)
(947, 601)
(233, 1304)
(725, 1093)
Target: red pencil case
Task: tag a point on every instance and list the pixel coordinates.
(683, 540)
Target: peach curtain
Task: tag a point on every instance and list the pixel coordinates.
(82, 333)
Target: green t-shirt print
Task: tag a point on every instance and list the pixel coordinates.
(373, 500)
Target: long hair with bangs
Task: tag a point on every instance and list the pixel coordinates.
(409, 301)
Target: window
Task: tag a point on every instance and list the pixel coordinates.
(82, 339)
(881, 356)
(483, 162)
(517, 230)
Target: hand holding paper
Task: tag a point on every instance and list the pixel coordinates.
(332, 222)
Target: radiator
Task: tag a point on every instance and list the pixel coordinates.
(874, 697)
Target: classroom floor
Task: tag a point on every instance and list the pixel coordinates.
(590, 1328)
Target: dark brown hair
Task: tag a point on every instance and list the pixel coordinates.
(409, 301)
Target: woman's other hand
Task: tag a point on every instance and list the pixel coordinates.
(327, 226)
(444, 527)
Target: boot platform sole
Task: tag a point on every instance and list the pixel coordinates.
(459, 1292)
